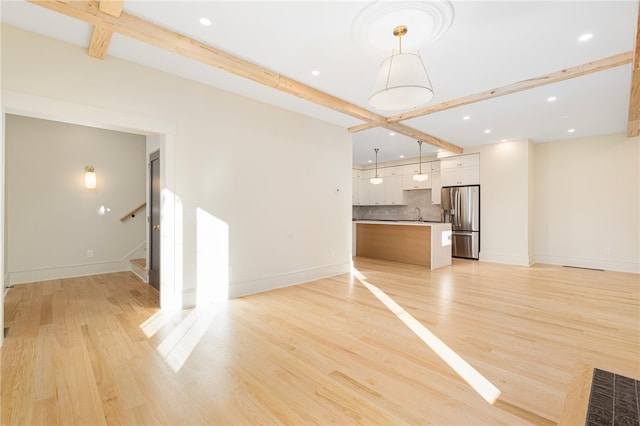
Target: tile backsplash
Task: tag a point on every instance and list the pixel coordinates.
(420, 198)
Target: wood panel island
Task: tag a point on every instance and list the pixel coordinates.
(414, 242)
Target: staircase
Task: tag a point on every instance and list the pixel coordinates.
(139, 267)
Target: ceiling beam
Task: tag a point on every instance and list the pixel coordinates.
(111, 7)
(554, 77)
(166, 39)
(99, 43)
(415, 134)
(633, 125)
(101, 37)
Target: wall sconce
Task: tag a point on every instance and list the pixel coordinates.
(90, 177)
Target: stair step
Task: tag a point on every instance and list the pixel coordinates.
(139, 267)
(141, 263)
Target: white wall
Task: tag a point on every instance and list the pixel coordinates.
(3, 223)
(505, 219)
(266, 177)
(573, 202)
(587, 202)
(52, 219)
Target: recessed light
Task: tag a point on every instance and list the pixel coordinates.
(370, 161)
(571, 130)
(315, 73)
(487, 131)
(551, 99)
(503, 140)
(205, 22)
(392, 134)
(585, 37)
(402, 156)
(466, 117)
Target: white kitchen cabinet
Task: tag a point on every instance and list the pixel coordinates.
(457, 161)
(356, 175)
(361, 188)
(393, 171)
(355, 186)
(363, 193)
(436, 186)
(427, 166)
(393, 190)
(460, 170)
(378, 193)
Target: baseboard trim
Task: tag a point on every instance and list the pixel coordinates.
(245, 288)
(508, 259)
(47, 274)
(607, 265)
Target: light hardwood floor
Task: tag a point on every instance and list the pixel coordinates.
(96, 350)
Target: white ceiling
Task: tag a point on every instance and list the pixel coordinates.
(488, 44)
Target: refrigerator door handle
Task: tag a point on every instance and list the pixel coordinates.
(465, 233)
(458, 223)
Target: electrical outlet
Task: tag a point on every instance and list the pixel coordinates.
(89, 253)
(607, 251)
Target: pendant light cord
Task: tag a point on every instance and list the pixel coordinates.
(399, 31)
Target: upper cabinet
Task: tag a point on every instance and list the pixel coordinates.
(393, 171)
(393, 188)
(395, 180)
(393, 185)
(436, 186)
(460, 170)
(361, 196)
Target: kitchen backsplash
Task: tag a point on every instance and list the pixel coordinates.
(420, 198)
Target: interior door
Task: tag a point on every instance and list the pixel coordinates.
(154, 220)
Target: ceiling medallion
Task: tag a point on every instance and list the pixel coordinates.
(428, 20)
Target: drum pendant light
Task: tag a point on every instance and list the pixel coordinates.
(402, 81)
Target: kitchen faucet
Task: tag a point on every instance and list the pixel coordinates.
(419, 214)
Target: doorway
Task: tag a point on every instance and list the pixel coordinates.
(154, 220)
(69, 112)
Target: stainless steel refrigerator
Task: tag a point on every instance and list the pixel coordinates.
(461, 208)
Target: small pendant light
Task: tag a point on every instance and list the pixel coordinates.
(376, 180)
(420, 177)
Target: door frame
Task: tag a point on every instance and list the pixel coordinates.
(154, 155)
(29, 105)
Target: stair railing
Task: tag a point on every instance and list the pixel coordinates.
(133, 212)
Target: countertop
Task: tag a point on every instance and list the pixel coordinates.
(401, 222)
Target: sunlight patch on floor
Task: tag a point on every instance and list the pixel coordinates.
(477, 381)
(181, 342)
(155, 322)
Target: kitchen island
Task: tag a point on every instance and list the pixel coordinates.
(414, 242)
